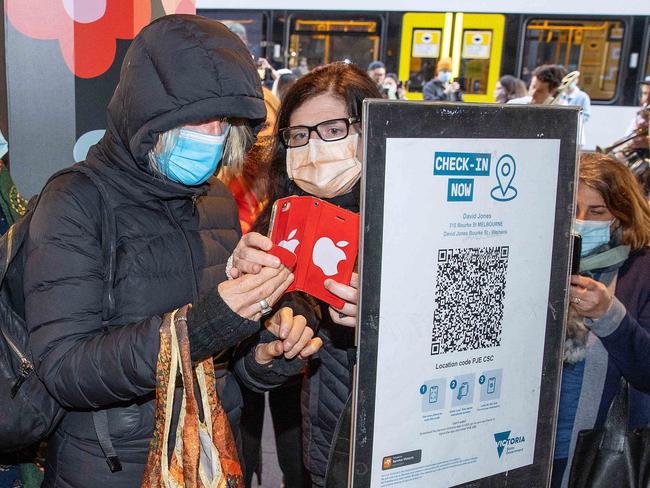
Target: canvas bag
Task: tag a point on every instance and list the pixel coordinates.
(205, 454)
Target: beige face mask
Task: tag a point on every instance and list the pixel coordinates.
(325, 169)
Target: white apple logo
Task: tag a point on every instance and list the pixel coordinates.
(327, 256)
(292, 244)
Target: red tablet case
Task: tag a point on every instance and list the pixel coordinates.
(324, 238)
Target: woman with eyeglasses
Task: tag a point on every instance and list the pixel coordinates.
(318, 153)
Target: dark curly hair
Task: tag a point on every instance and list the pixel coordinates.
(551, 74)
(342, 80)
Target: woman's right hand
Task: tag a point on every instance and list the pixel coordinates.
(251, 255)
(295, 338)
(244, 294)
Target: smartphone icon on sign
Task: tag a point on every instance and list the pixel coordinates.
(463, 391)
(491, 385)
(433, 394)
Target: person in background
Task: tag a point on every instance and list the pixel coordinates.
(302, 69)
(573, 95)
(508, 87)
(248, 184)
(377, 73)
(393, 89)
(442, 88)
(284, 82)
(544, 84)
(177, 233)
(267, 72)
(320, 127)
(639, 144)
(608, 328)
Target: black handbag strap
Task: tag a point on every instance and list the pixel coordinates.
(616, 423)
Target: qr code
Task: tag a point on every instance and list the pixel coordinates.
(470, 287)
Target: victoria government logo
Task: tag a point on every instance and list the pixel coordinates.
(508, 444)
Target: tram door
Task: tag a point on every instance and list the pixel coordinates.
(473, 41)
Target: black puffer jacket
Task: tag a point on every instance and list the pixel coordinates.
(328, 381)
(172, 243)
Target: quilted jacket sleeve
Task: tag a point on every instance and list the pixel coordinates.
(82, 365)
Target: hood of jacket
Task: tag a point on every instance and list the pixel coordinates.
(179, 69)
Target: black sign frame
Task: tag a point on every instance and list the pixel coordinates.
(383, 119)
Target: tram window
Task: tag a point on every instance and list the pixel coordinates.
(251, 25)
(425, 52)
(475, 61)
(325, 41)
(592, 47)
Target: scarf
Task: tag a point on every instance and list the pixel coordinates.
(601, 265)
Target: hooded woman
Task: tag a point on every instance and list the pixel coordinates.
(189, 99)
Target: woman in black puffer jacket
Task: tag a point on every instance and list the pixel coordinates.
(320, 125)
(187, 88)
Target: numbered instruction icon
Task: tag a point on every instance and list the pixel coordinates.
(490, 383)
(433, 395)
(462, 388)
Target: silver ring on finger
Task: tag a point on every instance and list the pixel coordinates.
(576, 300)
(265, 307)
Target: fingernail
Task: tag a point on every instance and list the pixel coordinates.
(276, 263)
(287, 346)
(305, 352)
(327, 283)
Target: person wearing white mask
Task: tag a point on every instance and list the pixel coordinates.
(608, 327)
(319, 125)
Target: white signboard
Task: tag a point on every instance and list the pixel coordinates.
(477, 44)
(426, 43)
(463, 316)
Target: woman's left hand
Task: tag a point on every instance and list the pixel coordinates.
(347, 315)
(250, 255)
(590, 298)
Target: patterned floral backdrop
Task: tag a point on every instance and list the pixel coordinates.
(63, 60)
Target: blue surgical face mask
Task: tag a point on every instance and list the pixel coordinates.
(594, 233)
(195, 157)
(445, 76)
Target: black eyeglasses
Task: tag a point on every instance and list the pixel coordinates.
(329, 131)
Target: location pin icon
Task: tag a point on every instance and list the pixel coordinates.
(505, 173)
